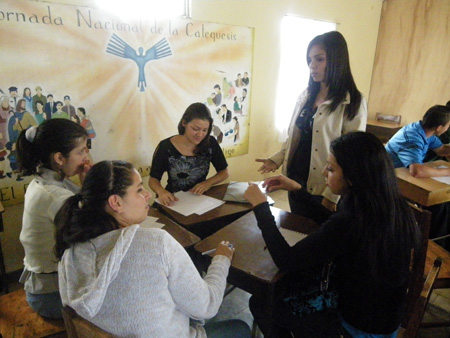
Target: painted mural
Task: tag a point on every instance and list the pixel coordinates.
(126, 82)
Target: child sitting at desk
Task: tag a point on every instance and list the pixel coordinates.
(369, 239)
(408, 148)
(186, 157)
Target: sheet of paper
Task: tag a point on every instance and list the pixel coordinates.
(291, 236)
(444, 179)
(151, 222)
(235, 192)
(189, 203)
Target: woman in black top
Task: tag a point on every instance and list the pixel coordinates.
(369, 239)
(186, 157)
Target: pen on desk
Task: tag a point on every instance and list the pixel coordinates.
(208, 252)
(214, 250)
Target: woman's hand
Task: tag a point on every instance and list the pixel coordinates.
(226, 249)
(280, 182)
(268, 165)
(254, 195)
(166, 198)
(84, 170)
(200, 188)
(328, 204)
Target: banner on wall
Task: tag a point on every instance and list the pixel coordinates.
(133, 78)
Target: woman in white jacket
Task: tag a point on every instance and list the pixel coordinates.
(130, 281)
(330, 107)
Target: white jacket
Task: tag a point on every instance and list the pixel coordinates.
(326, 127)
(136, 282)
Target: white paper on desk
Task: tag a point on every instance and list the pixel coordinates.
(235, 192)
(443, 179)
(291, 236)
(151, 222)
(189, 203)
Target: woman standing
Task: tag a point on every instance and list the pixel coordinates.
(130, 281)
(28, 100)
(330, 107)
(51, 152)
(186, 157)
(370, 239)
(39, 115)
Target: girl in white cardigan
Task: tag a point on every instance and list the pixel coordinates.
(51, 153)
(130, 281)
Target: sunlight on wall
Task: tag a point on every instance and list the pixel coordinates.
(296, 33)
(132, 9)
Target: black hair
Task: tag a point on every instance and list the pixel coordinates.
(52, 136)
(19, 104)
(197, 111)
(338, 76)
(436, 116)
(384, 226)
(217, 86)
(84, 216)
(82, 110)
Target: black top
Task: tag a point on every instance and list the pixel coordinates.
(364, 304)
(299, 166)
(185, 171)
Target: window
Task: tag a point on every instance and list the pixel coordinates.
(296, 33)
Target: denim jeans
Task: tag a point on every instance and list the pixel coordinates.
(47, 304)
(233, 328)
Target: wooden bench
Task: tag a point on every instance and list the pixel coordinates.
(18, 320)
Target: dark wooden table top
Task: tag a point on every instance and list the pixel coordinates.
(183, 236)
(252, 265)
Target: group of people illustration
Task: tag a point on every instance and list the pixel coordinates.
(18, 113)
(229, 107)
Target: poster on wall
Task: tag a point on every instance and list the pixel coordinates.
(128, 82)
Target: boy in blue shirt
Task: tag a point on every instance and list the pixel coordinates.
(408, 148)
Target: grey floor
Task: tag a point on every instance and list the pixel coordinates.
(235, 305)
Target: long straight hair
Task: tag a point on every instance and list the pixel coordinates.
(384, 225)
(338, 76)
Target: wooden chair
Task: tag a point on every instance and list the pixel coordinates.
(415, 317)
(18, 320)
(78, 327)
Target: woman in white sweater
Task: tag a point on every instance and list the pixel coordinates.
(51, 153)
(130, 281)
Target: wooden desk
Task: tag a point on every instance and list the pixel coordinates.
(425, 191)
(184, 237)
(383, 130)
(213, 220)
(434, 251)
(252, 268)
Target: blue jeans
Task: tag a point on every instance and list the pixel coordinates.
(47, 304)
(233, 328)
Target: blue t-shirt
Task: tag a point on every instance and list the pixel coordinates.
(410, 145)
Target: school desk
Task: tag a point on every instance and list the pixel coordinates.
(383, 130)
(213, 220)
(434, 251)
(184, 237)
(424, 191)
(252, 268)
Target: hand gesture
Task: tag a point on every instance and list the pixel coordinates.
(226, 249)
(166, 198)
(280, 182)
(254, 195)
(267, 165)
(84, 170)
(200, 188)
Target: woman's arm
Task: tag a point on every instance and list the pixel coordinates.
(165, 197)
(198, 298)
(204, 186)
